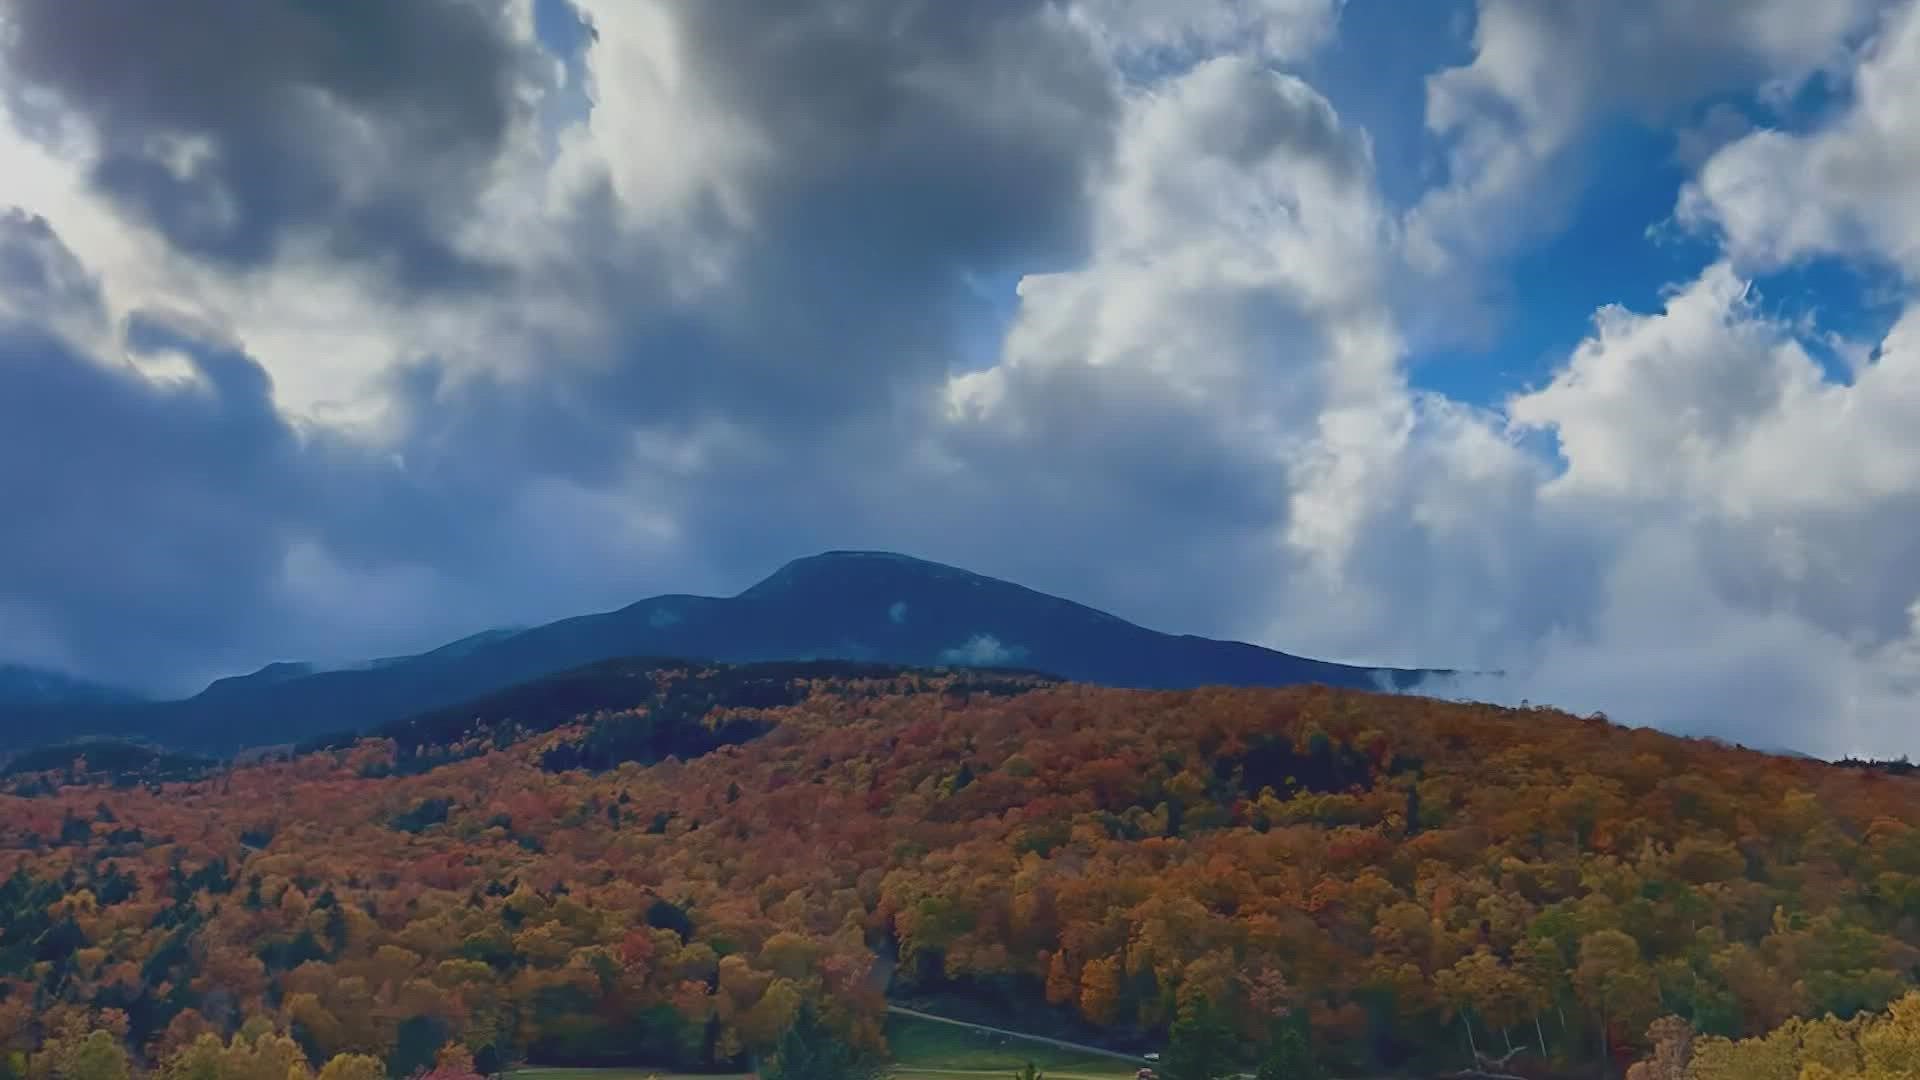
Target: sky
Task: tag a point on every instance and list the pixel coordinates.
(1579, 342)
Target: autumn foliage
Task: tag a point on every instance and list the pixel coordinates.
(1867, 1046)
(1419, 882)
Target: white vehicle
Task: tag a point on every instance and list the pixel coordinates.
(1151, 1057)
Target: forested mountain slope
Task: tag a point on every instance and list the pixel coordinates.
(1400, 872)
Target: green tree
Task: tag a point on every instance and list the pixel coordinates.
(1200, 1045)
(1290, 1055)
(417, 1041)
(809, 1050)
(99, 1056)
(1029, 1073)
(1613, 980)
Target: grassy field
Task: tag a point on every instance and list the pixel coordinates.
(1099, 1070)
(924, 1050)
(1109, 1070)
(538, 1073)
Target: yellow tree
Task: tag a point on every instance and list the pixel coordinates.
(1892, 1047)
(353, 1067)
(1672, 1040)
(1100, 989)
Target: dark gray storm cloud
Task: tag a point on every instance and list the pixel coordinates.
(141, 517)
(154, 521)
(907, 146)
(233, 126)
(912, 147)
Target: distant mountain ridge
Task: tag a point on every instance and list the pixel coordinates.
(286, 671)
(841, 605)
(21, 684)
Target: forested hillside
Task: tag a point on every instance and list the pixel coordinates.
(1413, 879)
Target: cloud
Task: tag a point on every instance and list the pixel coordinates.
(1716, 544)
(1543, 71)
(41, 280)
(801, 261)
(1842, 189)
(1166, 388)
(361, 130)
(1760, 579)
(1720, 125)
(897, 612)
(98, 455)
(1672, 650)
(167, 518)
(983, 650)
(1178, 33)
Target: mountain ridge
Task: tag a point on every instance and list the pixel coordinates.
(25, 684)
(842, 604)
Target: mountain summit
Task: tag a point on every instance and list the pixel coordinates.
(850, 605)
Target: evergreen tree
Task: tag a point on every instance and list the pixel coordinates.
(1200, 1045)
(809, 1050)
(1290, 1055)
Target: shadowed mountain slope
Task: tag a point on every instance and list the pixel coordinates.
(843, 605)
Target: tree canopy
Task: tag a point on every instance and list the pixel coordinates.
(1408, 883)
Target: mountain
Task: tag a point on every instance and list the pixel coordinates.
(274, 674)
(30, 686)
(845, 605)
(243, 685)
